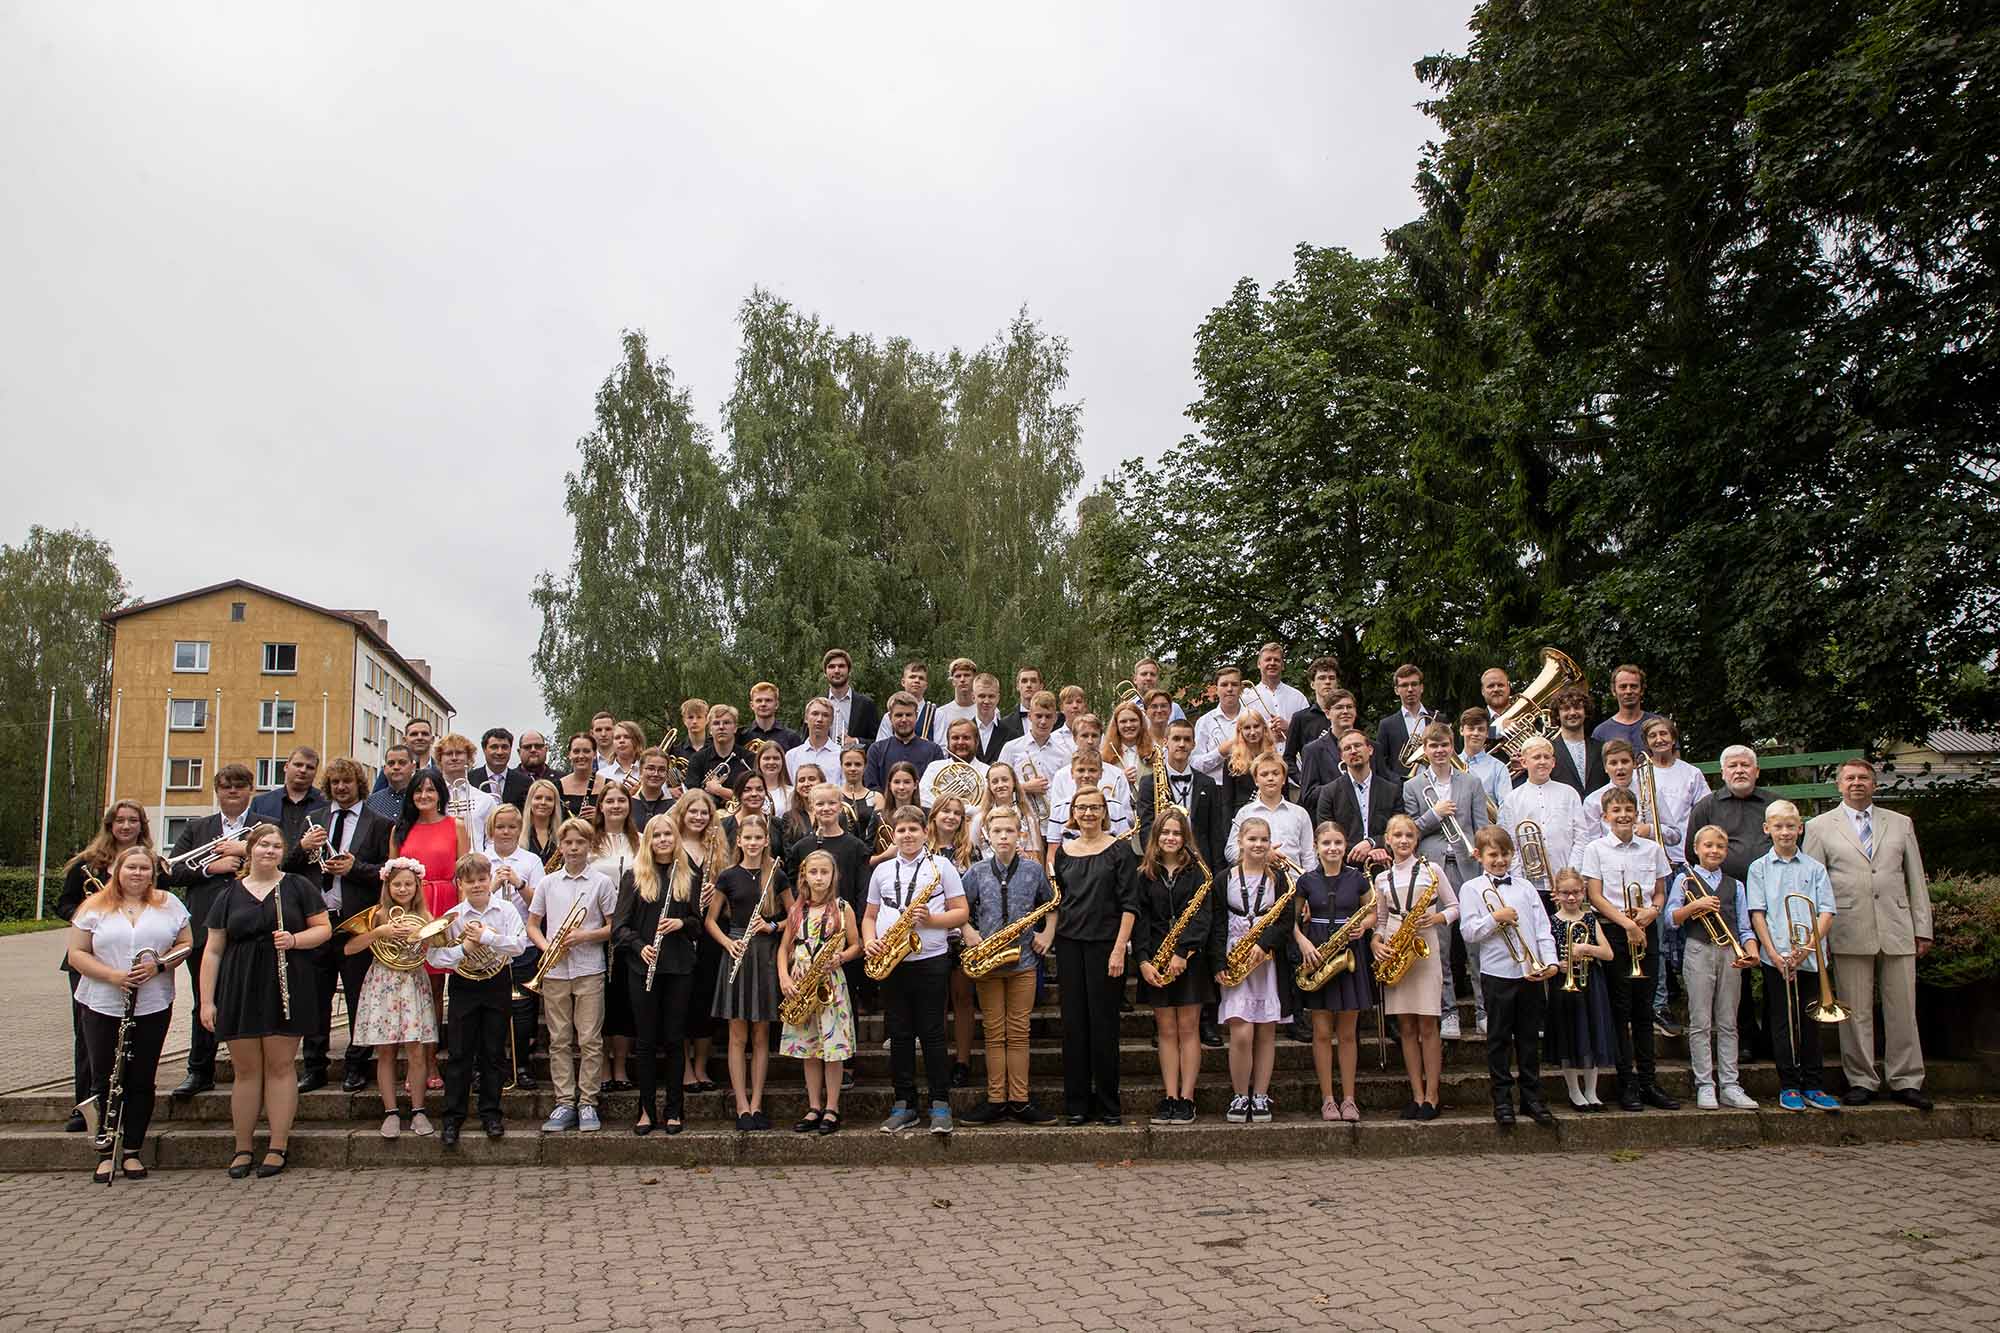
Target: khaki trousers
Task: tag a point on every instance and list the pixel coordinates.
(575, 1012)
(1857, 979)
(1005, 1001)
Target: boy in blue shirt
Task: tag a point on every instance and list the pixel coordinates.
(1775, 885)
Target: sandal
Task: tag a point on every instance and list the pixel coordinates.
(133, 1168)
(830, 1122)
(671, 1127)
(265, 1170)
(810, 1123)
(238, 1172)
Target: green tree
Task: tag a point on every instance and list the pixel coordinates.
(637, 623)
(55, 589)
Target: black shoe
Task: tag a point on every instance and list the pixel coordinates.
(493, 1126)
(1629, 1101)
(985, 1113)
(1541, 1114)
(758, 1120)
(449, 1138)
(1664, 1026)
(129, 1171)
(192, 1085)
(1859, 1096)
(526, 1083)
(353, 1081)
(1503, 1113)
(1211, 1037)
(75, 1124)
(1111, 1120)
(312, 1080)
(961, 1074)
(1167, 1111)
(745, 1123)
(106, 1172)
(239, 1169)
(829, 1123)
(1913, 1098)
(617, 1085)
(1075, 1120)
(1414, 1111)
(809, 1123)
(1301, 1032)
(1653, 1097)
(1186, 1111)
(265, 1170)
(642, 1129)
(1027, 1113)
(1429, 1112)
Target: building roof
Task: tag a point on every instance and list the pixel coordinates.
(364, 627)
(1952, 740)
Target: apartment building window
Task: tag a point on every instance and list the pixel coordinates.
(191, 655)
(176, 826)
(270, 773)
(189, 714)
(276, 714)
(281, 659)
(236, 610)
(183, 775)
(370, 726)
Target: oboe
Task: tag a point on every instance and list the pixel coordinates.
(284, 977)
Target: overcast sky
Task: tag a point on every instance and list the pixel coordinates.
(319, 296)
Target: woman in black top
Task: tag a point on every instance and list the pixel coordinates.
(581, 786)
(1330, 895)
(1098, 878)
(654, 931)
(1169, 877)
(262, 923)
(703, 848)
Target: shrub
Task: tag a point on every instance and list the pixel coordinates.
(1965, 928)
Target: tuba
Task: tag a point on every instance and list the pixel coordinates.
(900, 940)
(1528, 714)
(1336, 955)
(1002, 947)
(1408, 943)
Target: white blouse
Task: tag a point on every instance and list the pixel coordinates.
(116, 940)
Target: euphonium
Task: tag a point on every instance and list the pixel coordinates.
(1534, 852)
(814, 987)
(559, 943)
(1237, 965)
(1164, 955)
(900, 940)
(1629, 892)
(1528, 714)
(1002, 948)
(1409, 943)
(1337, 954)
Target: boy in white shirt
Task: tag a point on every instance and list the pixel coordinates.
(487, 927)
(927, 887)
(1500, 915)
(1622, 868)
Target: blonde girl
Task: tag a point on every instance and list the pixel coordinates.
(1415, 999)
(817, 915)
(395, 1005)
(754, 895)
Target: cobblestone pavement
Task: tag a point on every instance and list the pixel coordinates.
(35, 1035)
(1890, 1236)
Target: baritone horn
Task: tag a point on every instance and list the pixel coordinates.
(1528, 714)
(1534, 851)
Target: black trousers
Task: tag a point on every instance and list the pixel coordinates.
(79, 1056)
(659, 1021)
(1795, 1047)
(201, 1041)
(1631, 1003)
(913, 998)
(476, 1028)
(527, 1005)
(331, 965)
(1514, 1009)
(1090, 1026)
(149, 1034)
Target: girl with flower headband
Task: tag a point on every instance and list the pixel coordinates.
(395, 1005)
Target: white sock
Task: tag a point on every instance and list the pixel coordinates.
(1590, 1086)
(1571, 1077)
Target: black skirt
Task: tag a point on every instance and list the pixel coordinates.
(1353, 989)
(247, 999)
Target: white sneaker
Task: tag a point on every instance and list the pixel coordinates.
(1482, 1025)
(1704, 1099)
(1738, 1099)
(1449, 1028)
(419, 1124)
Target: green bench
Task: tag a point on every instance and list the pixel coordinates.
(1768, 764)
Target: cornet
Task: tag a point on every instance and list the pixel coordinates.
(1719, 934)
(198, 858)
(318, 854)
(1518, 946)
(1629, 894)
(1576, 967)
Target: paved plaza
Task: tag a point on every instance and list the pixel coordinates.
(35, 1038)
(1902, 1236)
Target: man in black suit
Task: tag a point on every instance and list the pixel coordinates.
(349, 882)
(1319, 758)
(1393, 732)
(1571, 707)
(508, 786)
(1360, 800)
(1315, 720)
(854, 713)
(993, 732)
(234, 784)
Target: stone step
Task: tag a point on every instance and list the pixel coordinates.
(338, 1146)
(1296, 1091)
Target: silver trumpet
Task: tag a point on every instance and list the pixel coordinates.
(1454, 832)
(198, 858)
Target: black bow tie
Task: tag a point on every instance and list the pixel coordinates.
(1503, 882)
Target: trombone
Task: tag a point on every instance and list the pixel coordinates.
(1629, 893)
(1518, 946)
(1805, 936)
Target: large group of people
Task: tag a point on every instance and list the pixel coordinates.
(1266, 865)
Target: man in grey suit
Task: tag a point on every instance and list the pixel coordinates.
(1882, 927)
(1462, 799)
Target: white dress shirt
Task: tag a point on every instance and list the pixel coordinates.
(1616, 864)
(826, 755)
(1281, 700)
(1049, 757)
(335, 893)
(894, 886)
(843, 713)
(1291, 832)
(1593, 826)
(1212, 730)
(470, 806)
(116, 940)
(1475, 922)
(529, 867)
(1553, 805)
(1117, 804)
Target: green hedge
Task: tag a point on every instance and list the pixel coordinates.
(17, 892)
(1965, 932)
(1954, 826)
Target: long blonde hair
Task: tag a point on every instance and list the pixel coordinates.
(1242, 759)
(528, 830)
(646, 870)
(960, 849)
(829, 910)
(713, 848)
(1031, 828)
(1113, 748)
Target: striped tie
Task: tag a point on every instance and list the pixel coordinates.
(1867, 837)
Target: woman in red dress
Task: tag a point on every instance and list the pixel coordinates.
(424, 831)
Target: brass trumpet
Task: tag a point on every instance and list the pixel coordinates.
(1629, 894)
(559, 944)
(1518, 946)
(1719, 934)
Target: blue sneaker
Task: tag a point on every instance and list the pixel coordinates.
(901, 1117)
(940, 1117)
(1819, 1101)
(562, 1118)
(1790, 1100)
(590, 1124)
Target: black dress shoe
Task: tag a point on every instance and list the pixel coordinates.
(961, 1074)
(1503, 1113)
(985, 1113)
(312, 1080)
(1653, 1097)
(526, 1083)
(1111, 1120)
(450, 1136)
(1211, 1037)
(1859, 1096)
(1911, 1097)
(1541, 1115)
(1629, 1101)
(1413, 1111)
(192, 1085)
(75, 1124)
(353, 1081)
(1074, 1120)
(1027, 1113)
(493, 1127)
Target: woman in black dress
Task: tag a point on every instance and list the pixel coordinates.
(1098, 876)
(579, 788)
(1329, 896)
(1171, 874)
(754, 897)
(264, 922)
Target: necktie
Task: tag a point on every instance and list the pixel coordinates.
(339, 826)
(494, 783)
(1867, 837)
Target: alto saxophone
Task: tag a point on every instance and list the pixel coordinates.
(814, 988)
(1408, 943)
(1336, 955)
(1162, 792)
(1165, 953)
(1002, 947)
(1236, 966)
(900, 940)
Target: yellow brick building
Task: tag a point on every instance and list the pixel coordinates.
(237, 673)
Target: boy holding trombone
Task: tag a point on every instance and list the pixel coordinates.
(1791, 908)
(1501, 917)
(1625, 877)
(1714, 911)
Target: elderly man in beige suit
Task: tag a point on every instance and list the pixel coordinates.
(1882, 928)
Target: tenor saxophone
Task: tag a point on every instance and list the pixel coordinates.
(1336, 955)
(1408, 943)
(1165, 953)
(1236, 966)
(1002, 947)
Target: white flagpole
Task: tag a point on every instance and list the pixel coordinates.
(166, 760)
(117, 716)
(48, 774)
